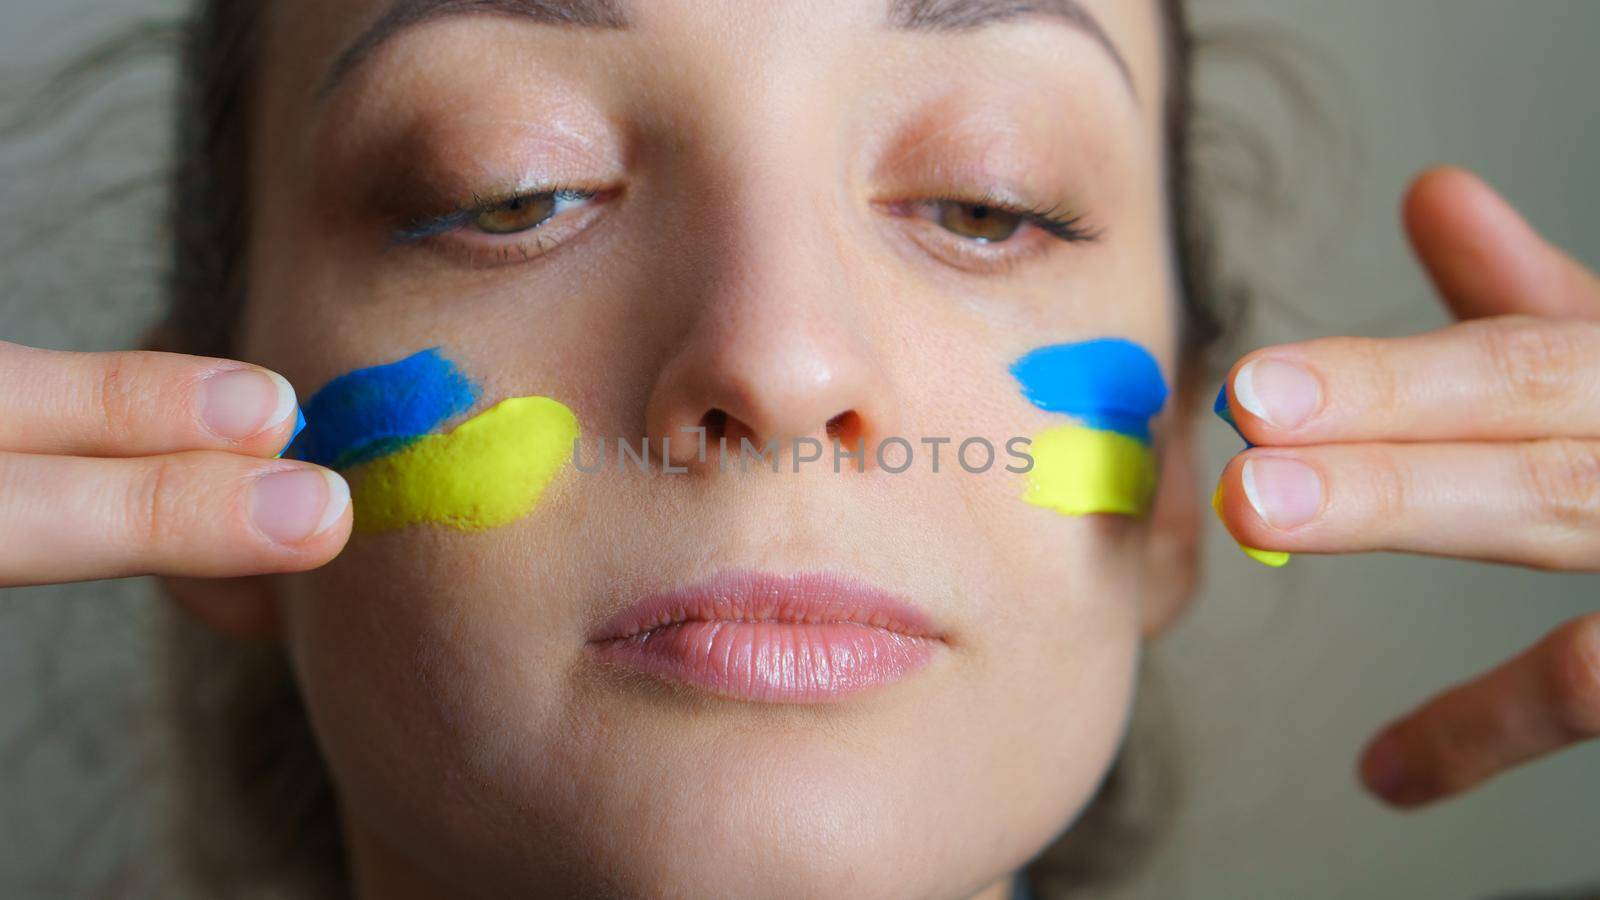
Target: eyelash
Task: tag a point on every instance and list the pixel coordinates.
(999, 257)
(504, 248)
(513, 247)
(1055, 220)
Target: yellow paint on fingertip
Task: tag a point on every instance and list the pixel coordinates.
(1277, 559)
(489, 471)
(1080, 471)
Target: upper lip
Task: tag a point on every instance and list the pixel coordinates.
(743, 595)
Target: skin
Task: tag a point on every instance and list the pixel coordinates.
(1472, 441)
(748, 266)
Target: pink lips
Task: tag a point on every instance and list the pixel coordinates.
(807, 638)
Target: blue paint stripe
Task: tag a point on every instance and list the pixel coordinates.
(373, 412)
(1111, 384)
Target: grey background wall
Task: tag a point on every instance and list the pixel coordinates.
(1276, 678)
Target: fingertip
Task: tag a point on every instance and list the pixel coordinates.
(1272, 559)
(1229, 403)
(288, 418)
(332, 531)
(338, 508)
(1225, 500)
(1425, 183)
(250, 410)
(1272, 395)
(1437, 206)
(303, 510)
(1222, 407)
(1444, 194)
(299, 426)
(1381, 767)
(1224, 503)
(1385, 771)
(287, 401)
(1484, 256)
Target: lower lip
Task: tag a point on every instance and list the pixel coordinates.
(773, 662)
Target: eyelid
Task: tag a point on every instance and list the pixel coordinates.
(432, 226)
(451, 233)
(1055, 226)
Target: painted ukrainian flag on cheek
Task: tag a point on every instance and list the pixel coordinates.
(487, 472)
(1103, 463)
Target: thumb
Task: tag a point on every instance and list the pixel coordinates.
(1485, 259)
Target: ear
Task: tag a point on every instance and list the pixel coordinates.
(241, 607)
(238, 607)
(1172, 555)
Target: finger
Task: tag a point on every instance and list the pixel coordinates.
(202, 514)
(1543, 700)
(1508, 378)
(139, 404)
(1534, 503)
(1485, 259)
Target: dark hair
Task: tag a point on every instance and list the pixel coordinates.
(258, 798)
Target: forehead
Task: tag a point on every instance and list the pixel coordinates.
(312, 45)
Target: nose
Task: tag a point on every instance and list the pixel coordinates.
(780, 348)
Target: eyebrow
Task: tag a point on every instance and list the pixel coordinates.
(905, 15)
(968, 15)
(404, 14)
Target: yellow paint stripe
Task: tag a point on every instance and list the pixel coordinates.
(1080, 471)
(488, 472)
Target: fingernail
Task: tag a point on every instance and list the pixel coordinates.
(294, 506)
(1384, 770)
(1281, 394)
(1285, 493)
(242, 403)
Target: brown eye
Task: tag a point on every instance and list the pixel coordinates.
(516, 214)
(988, 224)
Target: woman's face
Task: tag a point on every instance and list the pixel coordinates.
(775, 227)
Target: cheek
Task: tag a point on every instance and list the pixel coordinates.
(1060, 554)
(1103, 462)
(439, 666)
(444, 691)
(436, 686)
(484, 473)
(1058, 663)
(1052, 656)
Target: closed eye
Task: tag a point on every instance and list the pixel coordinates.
(992, 221)
(510, 215)
(988, 234)
(514, 228)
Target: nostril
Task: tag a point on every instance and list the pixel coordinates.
(715, 422)
(719, 426)
(845, 428)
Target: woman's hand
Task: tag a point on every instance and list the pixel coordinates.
(115, 464)
(1480, 440)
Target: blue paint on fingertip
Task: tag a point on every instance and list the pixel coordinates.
(1224, 411)
(1276, 559)
(299, 426)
